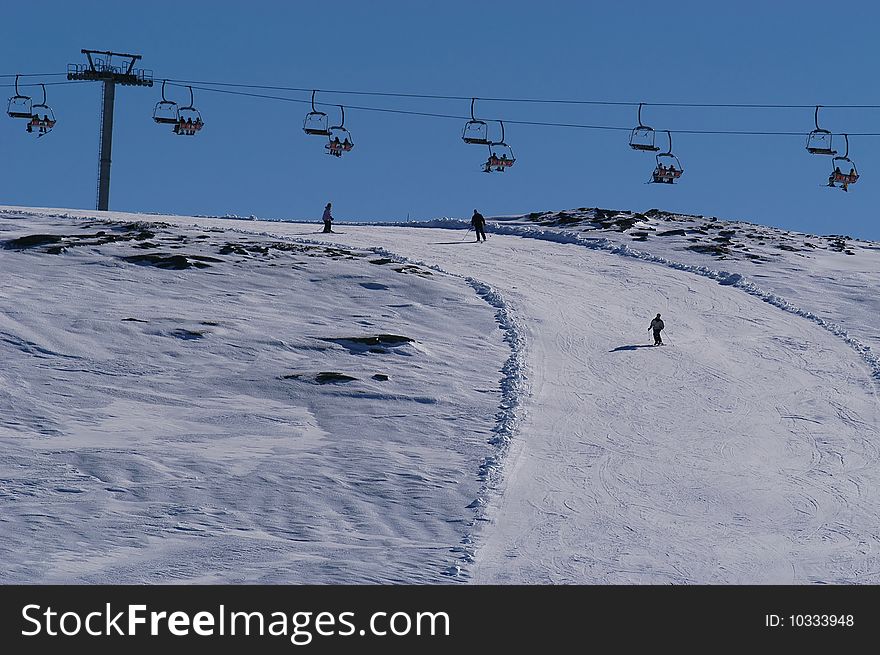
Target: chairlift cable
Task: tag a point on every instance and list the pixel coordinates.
(430, 96)
(433, 96)
(408, 112)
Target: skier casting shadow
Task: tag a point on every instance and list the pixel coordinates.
(479, 224)
(656, 327)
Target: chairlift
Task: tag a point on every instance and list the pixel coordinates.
(500, 155)
(339, 139)
(19, 105)
(475, 131)
(165, 112)
(819, 140)
(668, 168)
(316, 121)
(42, 117)
(189, 119)
(642, 136)
(839, 173)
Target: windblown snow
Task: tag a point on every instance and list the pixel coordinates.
(211, 400)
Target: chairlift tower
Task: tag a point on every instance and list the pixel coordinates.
(101, 68)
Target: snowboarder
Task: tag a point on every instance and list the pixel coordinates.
(327, 218)
(655, 327)
(479, 224)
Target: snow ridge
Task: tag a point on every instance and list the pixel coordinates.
(510, 413)
(722, 277)
(513, 387)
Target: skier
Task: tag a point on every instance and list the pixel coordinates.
(655, 327)
(327, 218)
(479, 224)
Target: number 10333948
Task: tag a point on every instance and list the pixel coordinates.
(809, 620)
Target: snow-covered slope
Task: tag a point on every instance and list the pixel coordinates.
(186, 404)
(556, 446)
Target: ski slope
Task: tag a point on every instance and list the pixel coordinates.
(744, 451)
(192, 405)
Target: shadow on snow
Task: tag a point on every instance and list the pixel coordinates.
(619, 348)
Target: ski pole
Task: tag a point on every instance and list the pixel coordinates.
(466, 233)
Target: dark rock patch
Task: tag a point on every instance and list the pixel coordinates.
(336, 253)
(410, 269)
(244, 249)
(378, 340)
(32, 241)
(707, 249)
(623, 224)
(167, 262)
(233, 249)
(378, 344)
(186, 335)
(332, 377)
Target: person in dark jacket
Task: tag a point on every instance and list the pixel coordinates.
(327, 218)
(479, 224)
(655, 327)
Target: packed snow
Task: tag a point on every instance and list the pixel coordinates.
(218, 400)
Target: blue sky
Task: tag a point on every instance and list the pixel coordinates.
(253, 158)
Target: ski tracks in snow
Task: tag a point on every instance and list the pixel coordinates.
(753, 467)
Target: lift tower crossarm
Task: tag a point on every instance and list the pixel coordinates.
(102, 72)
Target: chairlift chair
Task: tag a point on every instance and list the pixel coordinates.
(642, 136)
(500, 155)
(843, 170)
(315, 122)
(819, 141)
(165, 112)
(475, 131)
(339, 139)
(668, 168)
(19, 105)
(42, 117)
(189, 119)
